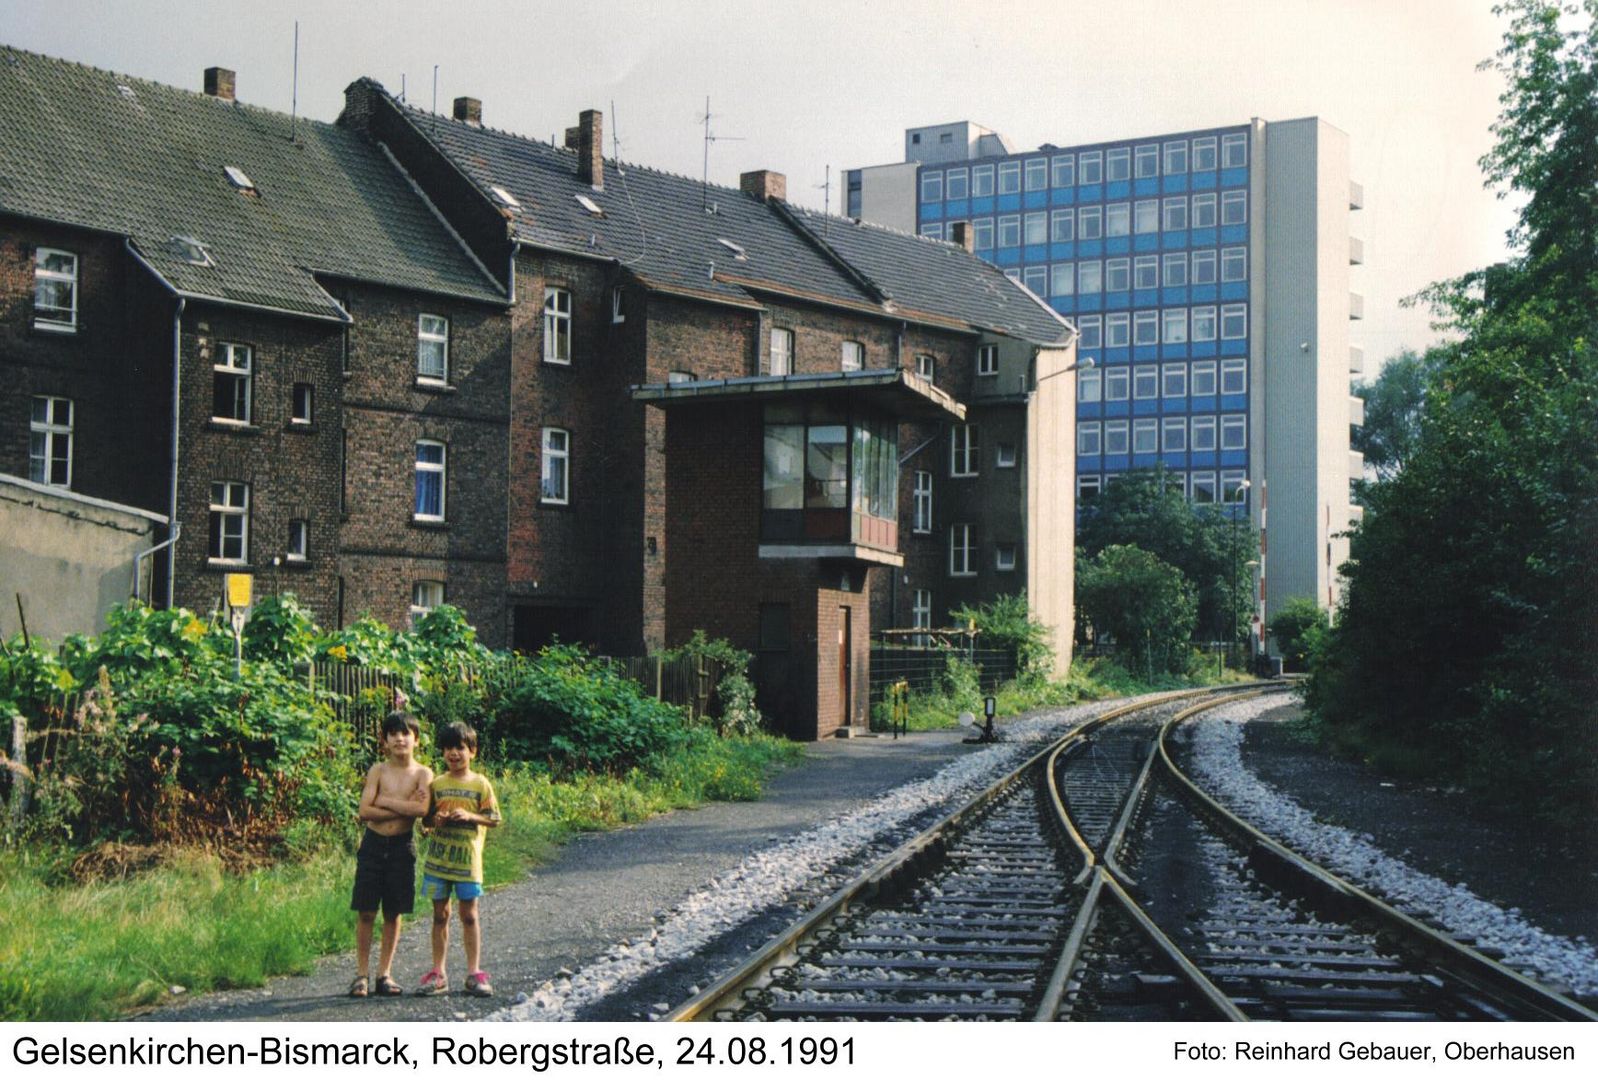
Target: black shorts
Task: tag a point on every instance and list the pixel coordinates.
(385, 874)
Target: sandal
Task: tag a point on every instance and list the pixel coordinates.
(358, 988)
(387, 987)
(477, 984)
(432, 983)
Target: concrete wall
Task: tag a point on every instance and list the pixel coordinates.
(1050, 500)
(70, 557)
(888, 196)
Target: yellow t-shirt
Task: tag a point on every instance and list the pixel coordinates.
(455, 852)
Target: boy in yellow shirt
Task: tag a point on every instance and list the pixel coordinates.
(462, 811)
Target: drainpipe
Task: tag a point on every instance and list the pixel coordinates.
(177, 385)
(174, 528)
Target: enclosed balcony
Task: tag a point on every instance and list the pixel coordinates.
(831, 483)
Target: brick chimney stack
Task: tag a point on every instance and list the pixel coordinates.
(219, 83)
(765, 185)
(470, 110)
(590, 148)
(960, 233)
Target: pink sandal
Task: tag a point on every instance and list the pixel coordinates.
(432, 983)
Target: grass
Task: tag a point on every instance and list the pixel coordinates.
(71, 951)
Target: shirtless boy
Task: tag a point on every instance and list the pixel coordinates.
(396, 794)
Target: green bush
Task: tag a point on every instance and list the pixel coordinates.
(1007, 623)
(961, 683)
(1296, 626)
(1144, 604)
(739, 713)
(280, 632)
(368, 643)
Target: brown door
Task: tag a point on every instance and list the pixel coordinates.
(845, 667)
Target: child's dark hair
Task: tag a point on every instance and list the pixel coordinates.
(399, 720)
(457, 734)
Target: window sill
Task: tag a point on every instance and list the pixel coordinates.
(55, 328)
(920, 532)
(232, 566)
(429, 524)
(235, 426)
(962, 573)
(962, 475)
(301, 427)
(557, 363)
(550, 504)
(292, 563)
(433, 387)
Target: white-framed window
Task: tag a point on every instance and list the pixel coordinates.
(853, 357)
(1234, 207)
(1176, 482)
(299, 546)
(1146, 382)
(555, 478)
(960, 550)
(1234, 431)
(1234, 151)
(1035, 229)
(1173, 266)
(231, 384)
(557, 326)
(956, 183)
(1204, 154)
(1117, 330)
(931, 187)
(987, 360)
(1118, 219)
(1146, 328)
(1203, 377)
(1203, 434)
(1232, 489)
(1064, 170)
(1037, 173)
(1117, 383)
(55, 289)
(1117, 275)
(1087, 490)
(1089, 223)
(1234, 321)
(50, 442)
(1036, 278)
(1090, 167)
(1234, 264)
(1175, 214)
(432, 348)
(982, 233)
(926, 366)
(618, 304)
(1202, 485)
(781, 359)
(1062, 279)
(1176, 157)
(1090, 277)
(1091, 327)
(230, 521)
(1204, 211)
(1234, 376)
(1204, 323)
(430, 480)
(425, 596)
(1146, 161)
(1009, 230)
(1118, 164)
(921, 609)
(964, 450)
(1173, 380)
(1146, 216)
(1173, 326)
(1004, 456)
(1145, 436)
(921, 503)
(1203, 267)
(982, 180)
(1173, 434)
(932, 230)
(1089, 384)
(1004, 557)
(1146, 272)
(1062, 226)
(1089, 439)
(1009, 177)
(302, 407)
(1115, 437)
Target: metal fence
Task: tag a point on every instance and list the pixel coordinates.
(922, 668)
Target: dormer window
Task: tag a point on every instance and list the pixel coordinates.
(736, 249)
(192, 251)
(505, 198)
(589, 205)
(239, 180)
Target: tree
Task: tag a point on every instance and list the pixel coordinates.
(1393, 402)
(1145, 604)
(1294, 626)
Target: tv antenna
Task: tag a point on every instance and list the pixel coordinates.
(710, 137)
(435, 89)
(294, 107)
(826, 203)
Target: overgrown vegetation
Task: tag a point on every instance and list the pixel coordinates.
(1298, 626)
(1143, 603)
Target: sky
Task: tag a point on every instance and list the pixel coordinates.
(805, 85)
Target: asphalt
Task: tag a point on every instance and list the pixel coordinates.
(600, 889)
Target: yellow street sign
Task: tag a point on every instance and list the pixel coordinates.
(238, 590)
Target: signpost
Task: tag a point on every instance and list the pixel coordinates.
(239, 588)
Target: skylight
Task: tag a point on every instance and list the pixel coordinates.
(126, 91)
(505, 197)
(238, 179)
(192, 251)
(736, 249)
(589, 204)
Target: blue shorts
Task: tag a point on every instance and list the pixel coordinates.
(435, 888)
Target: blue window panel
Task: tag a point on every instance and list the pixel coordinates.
(1173, 352)
(984, 205)
(1172, 240)
(1203, 460)
(1203, 294)
(1145, 461)
(1116, 408)
(1201, 349)
(1117, 245)
(1237, 347)
(1065, 305)
(1064, 196)
(1234, 457)
(1087, 249)
(1173, 297)
(1149, 185)
(1117, 462)
(1146, 297)
(1035, 253)
(931, 211)
(1009, 202)
(1175, 183)
(1234, 234)
(1062, 251)
(957, 208)
(1089, 303)
(1234, 177)
(1174, 461)
(1203, 404)
(1175, 405)
(985, 254)
(1146, 242)
(1037, 200)
(1117, 300)
(1202, 237)
(1234, 290)
(1008, 257)
(1090, 192)
(1146, 407)
(1234, 402)
(1145, 352)
(1087, 464)
(1118, 190)
(1121, 354)
(1203, 181)
(1090, 411)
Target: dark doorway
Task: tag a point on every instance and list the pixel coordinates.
(845, 666)
(534, 627)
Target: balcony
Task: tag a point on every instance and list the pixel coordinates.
(1356, 306)
(1356, 360)
(1356, 464)
(1356, 196)
(831, 484)
(1356, 251)
(1356, 410)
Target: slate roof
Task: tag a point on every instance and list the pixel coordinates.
(109, 152)
(668, 230)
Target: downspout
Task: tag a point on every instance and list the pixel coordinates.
(177, 386)
(175, 528)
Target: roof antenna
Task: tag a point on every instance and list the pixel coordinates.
(294, 108)
(402, 88)
(435, 89)
(615, 137)
(704, 188)
(826, 203)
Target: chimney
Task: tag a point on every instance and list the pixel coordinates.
(590, 148)
(470, 110)
(961, 235)
(574, 138)
(765, 185)
(219, 83)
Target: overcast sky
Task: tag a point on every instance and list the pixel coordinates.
(801, 86)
